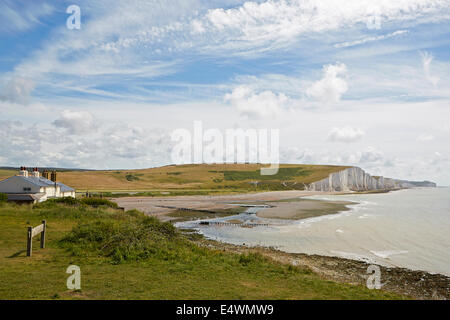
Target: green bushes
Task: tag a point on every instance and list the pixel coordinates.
(136, 238)
(96, 202)
(69, 201)
(3, 197)
(66, 200)
(131, 177)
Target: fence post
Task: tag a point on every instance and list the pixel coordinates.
(29, 241)
(43, 234)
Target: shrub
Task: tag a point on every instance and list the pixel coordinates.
(136, 238)
(131, 177)
(96, 202)
(50, 203)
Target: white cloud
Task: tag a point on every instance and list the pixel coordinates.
(17, 90)
(332, 86)
(369, 39)
(115, 145)
(76, 122)
(427, 58)
(369, 157)
(284, 20)
(21, 15)
(197, 26)
(345, 134)
(425, 137)
(254, 104)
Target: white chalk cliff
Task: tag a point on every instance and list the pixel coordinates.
(356, 179)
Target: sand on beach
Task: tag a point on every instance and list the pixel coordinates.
(302, 209)
(284, 204)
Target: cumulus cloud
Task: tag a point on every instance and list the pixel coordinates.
(254, 104)
(21, 144)
(17, 90)
(76, 122)
(369, 157)
(298, 155)
(332, 86)
(427, 58)
(112, 146)
(345, 134)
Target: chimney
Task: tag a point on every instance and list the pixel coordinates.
(45, 174)
(53, 176)
(36, 172)
(23, 172)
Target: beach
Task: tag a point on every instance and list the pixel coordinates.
(337, 235)
(279, 201)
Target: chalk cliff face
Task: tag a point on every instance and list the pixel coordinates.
(356, 179)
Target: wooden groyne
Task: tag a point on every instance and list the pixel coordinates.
(189, 209)
(207, 223)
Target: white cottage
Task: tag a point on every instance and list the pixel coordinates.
(34, 188)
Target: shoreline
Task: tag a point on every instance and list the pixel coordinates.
(416, 284)
(289, 205)
(161, 207)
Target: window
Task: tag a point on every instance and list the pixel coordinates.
(26, 189)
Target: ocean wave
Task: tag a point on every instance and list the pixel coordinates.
(386, 254)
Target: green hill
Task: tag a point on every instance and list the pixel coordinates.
(195, 178)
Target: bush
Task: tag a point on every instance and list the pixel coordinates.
(66, 200)
(96, 202)
(3, 197)
(136, 238)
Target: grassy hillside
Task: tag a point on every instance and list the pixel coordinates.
(215, 178)
(130, 256)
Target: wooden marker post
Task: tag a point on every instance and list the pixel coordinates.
(34, 231)
(29, 241)
(44, 226)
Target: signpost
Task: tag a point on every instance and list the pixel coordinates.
(34, 231)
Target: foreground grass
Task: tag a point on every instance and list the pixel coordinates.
(130, 256)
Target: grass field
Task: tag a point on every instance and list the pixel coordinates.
(130, 256)
(193, 179)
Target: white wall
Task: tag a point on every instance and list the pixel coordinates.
(68, 194)
(16, 184)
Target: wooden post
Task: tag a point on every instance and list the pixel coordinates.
(43, 234)
(29, 241)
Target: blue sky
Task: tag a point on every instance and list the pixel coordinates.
(347, 82)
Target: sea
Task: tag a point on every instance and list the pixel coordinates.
(408, 228)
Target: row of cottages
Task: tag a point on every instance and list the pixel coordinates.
(33, 188)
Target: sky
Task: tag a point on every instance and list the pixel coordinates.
(347, 82)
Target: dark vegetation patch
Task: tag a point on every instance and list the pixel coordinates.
(131, 177)
(282, 174)
(174, 173)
